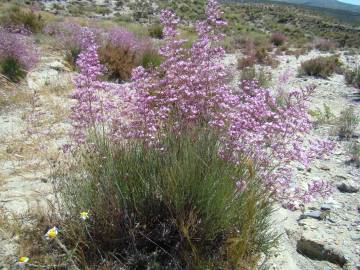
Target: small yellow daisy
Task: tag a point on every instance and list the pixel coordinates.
(23, 260)
(52, 233)
(84, 215)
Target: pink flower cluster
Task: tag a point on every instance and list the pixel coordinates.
(18, 46)
(190, 89)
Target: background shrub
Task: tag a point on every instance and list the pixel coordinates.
(259, 55)
(321, 66)
(119, 61)
(324, 44)
(179, 207)
(352, 77)
(17, 16)
(347, 123)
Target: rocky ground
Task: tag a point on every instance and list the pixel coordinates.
(325, 235)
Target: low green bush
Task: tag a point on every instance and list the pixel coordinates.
(347, 123)
(150, 58)
(178, 207)
(323, 66)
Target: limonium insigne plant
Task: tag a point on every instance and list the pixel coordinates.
(189, 89)
(17, 55)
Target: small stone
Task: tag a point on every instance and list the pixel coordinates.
(347, 188)
(355, 236)
(340, 177)
(318, 250)
(324, 168)
(326, 207)
(44, 180)
(316, 214)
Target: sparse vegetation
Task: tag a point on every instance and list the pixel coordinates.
(323, 66)
(354, 152)
(323, 44)
(261, 76)
(256, 55)
(321, 117)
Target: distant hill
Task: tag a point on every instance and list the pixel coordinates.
(344, 12)
(328, 4)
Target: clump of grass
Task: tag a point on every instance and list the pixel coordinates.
(12, 68)
(71, 55)
(321, 117)
(172, 208)
(156, 31)
(352, 77)
(150, 58)
(347, 123)
(251, 74)
(323, 66)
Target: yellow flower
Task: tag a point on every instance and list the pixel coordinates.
(84, 215)
(22, 261)
(52, 233)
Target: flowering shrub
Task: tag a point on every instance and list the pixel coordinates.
(189, 89)
(278, 38)
(170, 199)
(17, 55)
(324, 44)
